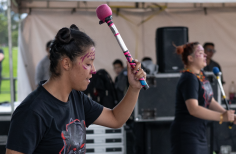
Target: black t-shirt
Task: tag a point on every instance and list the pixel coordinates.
(1, 51)
(210, 67)
(42, 124)
(190, 87)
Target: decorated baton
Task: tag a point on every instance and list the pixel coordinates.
(104, 13)
(216, 72)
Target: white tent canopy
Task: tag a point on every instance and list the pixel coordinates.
(216, 24)
(24, 6)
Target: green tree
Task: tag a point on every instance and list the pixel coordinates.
(4, 26)
(3, 29)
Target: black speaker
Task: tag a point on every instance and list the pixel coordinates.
(167, 59)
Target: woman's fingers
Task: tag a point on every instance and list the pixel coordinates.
(140, 74)
(137, 67)
(230, 115)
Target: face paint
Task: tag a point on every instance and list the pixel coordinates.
(197, 52)
(89, 55)
(85, 67)
(93, 72)
(199, 48)
(82, 58)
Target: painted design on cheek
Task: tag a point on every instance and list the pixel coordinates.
(93, 72)
(85, 67)
(90, 55)
(197, 52)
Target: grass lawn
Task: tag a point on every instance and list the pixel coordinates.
(5, 93)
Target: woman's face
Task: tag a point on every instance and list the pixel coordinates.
(199, 57)
(82, 70)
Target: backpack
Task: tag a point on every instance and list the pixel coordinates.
(102, 90)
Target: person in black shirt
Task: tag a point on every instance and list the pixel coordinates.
(118, 67)
(195, 104)
(42, 70)
(121, 80)
(1, 59)
(209, 49)
(52, 119)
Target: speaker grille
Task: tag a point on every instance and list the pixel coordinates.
(167, 59)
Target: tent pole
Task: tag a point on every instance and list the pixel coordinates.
(10, 53)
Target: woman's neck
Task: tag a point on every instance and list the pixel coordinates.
(193, 69)
(59, 88)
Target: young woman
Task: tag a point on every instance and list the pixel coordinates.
(52, 119)
(194, 104)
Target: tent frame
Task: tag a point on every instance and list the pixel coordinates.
(10, 54)
(16, 5)
(26, 6)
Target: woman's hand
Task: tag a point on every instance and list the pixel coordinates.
(229, 116)
(135, 74)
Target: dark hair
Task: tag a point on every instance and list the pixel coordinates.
(118, 61)
(48, 44)
(146, 58)
(186, 50)
(208, 43)
(70, 42)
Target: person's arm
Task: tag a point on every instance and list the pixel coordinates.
(1, 56)
(8, 151)
(215, 106)
(116, 117)
(204, 113)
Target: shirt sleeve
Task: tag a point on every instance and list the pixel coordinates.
(26, 131)
(92, 110)
(190, 87)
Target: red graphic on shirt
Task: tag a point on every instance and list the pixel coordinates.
(208, 94)
(74, 138)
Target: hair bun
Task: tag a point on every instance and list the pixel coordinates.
(74, 27)
(64, 35)
(180, 49)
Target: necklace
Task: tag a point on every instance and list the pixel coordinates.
(200, 76)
